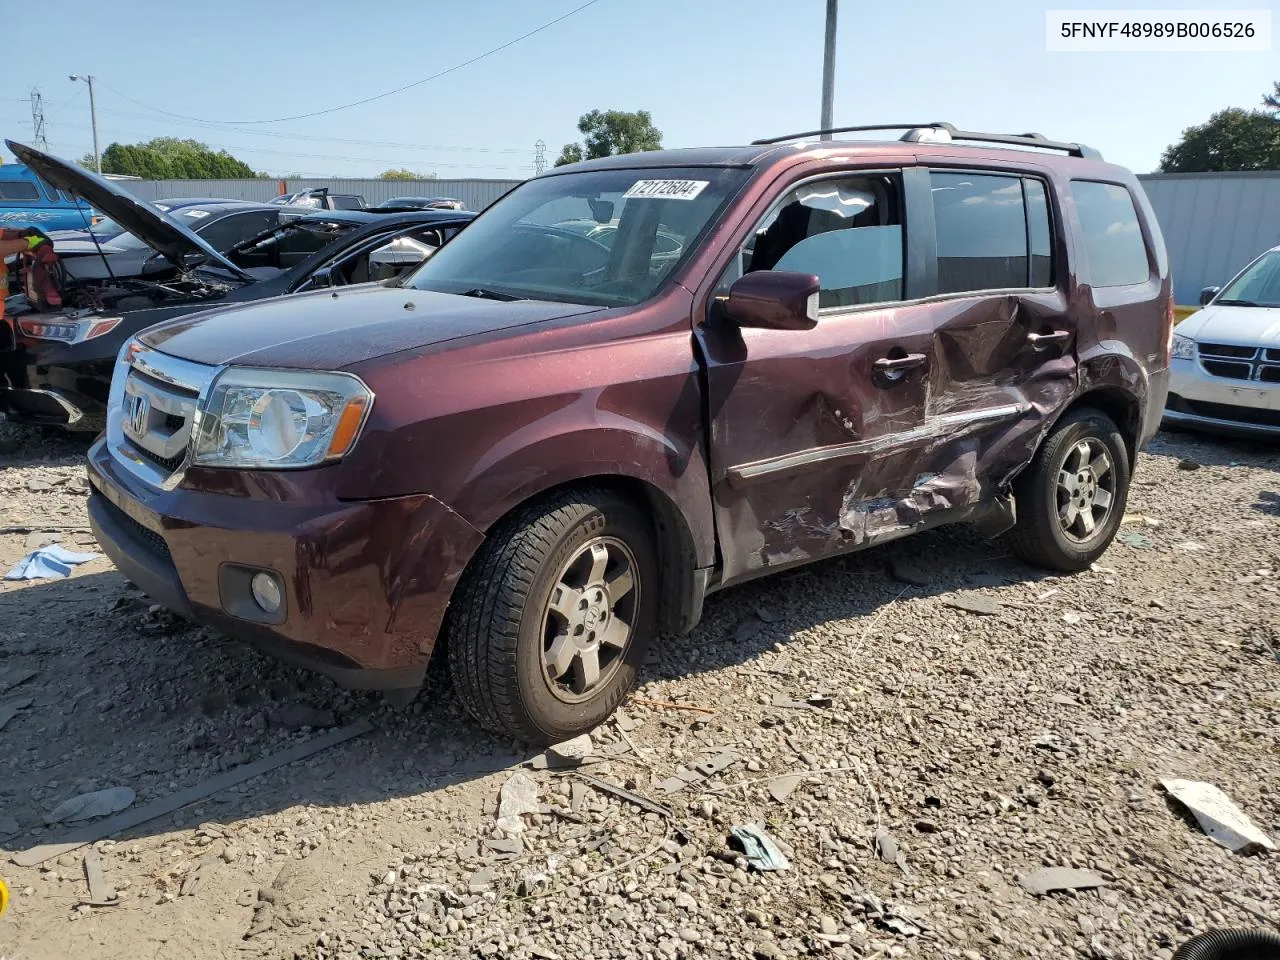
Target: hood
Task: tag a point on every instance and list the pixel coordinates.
(324, 331)
(1245, 326)
(141, 219)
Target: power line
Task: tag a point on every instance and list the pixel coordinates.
(37, 120)
(380, 96)
(280, 134)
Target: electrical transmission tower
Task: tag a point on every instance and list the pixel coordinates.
(539, 157)
(39, 138)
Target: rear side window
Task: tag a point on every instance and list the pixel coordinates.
(1114, 249)
(982, 232)
(18, 190)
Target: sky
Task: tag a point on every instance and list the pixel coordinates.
(711, 72)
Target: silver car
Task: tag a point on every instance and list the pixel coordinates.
(1225, 374)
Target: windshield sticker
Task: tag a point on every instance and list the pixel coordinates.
(665, 189)
(196, 214)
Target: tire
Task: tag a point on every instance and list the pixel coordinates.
(1042, 535)
(519, 661)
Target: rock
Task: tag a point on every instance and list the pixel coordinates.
(972, 602)
(926, 826)
(1188, 465)
(828, 926)
(767, 951)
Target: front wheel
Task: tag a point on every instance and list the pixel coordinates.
(554, 616)
(1071, 498)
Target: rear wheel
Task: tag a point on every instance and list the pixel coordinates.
(554, 616)
(1071, 499)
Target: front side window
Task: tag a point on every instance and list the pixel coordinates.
(1114, 249)
(536, 242)
(18, 190)
(1257, 286)
(847, 232)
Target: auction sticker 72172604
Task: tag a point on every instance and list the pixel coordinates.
(665, 189)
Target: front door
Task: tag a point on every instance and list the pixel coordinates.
(816, 437)
(1006, 360)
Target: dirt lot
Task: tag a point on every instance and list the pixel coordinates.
(987, 744)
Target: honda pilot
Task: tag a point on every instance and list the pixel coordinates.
(542, 448)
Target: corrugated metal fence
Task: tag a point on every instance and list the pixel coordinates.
(1213, 224)
(474, 194)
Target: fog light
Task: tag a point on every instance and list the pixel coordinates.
(266, 592)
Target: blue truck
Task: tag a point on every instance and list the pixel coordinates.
(27, 201)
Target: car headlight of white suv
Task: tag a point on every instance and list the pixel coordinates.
(279, 419)
(1184, 348)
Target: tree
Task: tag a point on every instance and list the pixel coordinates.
(608, 133)
(1272, 100)
(403, 173)
(170, 158)
(1232, 139)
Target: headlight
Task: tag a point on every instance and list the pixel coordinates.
(1184, 348)
(279, 419)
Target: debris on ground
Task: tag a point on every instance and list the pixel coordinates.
(12, 676)
(888, 850)
(518, 798)
(174, 802)
(666, 705)
(570, 753)
(49, 563)
(100, 895)
(644, 803)
(781, 787)
(1220, 819)
(298, 716)
(760, 849)
(1050, 879)
(701, 771)
(1185, 464)
(11, 708)
(1131, 538)
(86, 806)
(971, 602)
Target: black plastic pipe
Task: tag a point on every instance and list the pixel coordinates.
(1231, 945)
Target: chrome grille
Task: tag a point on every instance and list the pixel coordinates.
(1239, 362)
(153, 410)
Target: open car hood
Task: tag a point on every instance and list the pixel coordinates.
(141, 219)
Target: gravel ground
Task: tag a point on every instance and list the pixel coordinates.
(986, 745)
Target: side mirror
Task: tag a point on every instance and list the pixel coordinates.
(773, 300)
(322, 278)
(1208, 293)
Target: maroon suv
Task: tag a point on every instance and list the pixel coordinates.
(548, 444)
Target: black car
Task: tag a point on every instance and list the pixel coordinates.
(59, 372)
(319, 198)
(221, 223)
(420, 203)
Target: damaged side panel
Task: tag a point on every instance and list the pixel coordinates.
(814, 452)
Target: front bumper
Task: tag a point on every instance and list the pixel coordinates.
(50, 385)
(1200, 400)
(366, 584)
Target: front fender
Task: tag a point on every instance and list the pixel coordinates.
(547, 454)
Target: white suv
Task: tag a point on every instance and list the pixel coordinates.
(1225, 373)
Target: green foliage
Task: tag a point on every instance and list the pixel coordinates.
(171, 158)
(1232, 139)
(404, 173)
(611, 132)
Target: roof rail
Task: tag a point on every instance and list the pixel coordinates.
(938, 132)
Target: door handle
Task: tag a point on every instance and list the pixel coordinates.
(896, 364)
(1042, 340)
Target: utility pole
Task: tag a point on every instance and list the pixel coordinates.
(539, 157)
(829, 70)
(93, 115)
(40, 139)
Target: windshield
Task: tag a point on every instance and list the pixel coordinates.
(289, 245)
(1258, 286)
(531, 244)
